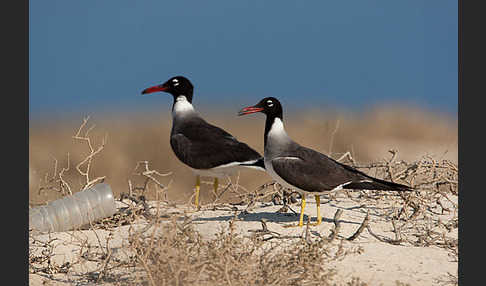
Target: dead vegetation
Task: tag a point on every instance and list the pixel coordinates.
(182, 257)
(164, 248)
(57, 182)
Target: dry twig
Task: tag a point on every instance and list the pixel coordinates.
(89, 158)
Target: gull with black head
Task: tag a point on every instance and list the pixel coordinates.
(207, 149)
(303, 169)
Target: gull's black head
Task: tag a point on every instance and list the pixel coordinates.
(176, 86)
(270, 106)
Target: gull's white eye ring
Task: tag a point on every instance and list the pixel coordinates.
(269, 103)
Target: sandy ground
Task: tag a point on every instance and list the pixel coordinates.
(376, 262)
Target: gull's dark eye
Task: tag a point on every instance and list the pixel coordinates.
(269, 103)
(175, 82)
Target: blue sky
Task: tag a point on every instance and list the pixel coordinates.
(98, 55)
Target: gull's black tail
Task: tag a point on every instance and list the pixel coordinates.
(366, 182)
(377, 184)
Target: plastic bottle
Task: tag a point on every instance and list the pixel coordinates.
(74, 211)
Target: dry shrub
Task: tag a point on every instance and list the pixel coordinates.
(179, 256)
(429, 215)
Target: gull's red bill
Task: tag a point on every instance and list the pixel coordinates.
(250, 110)
(154, 89)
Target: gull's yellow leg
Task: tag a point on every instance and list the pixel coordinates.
(215, 185)
(318, 204)
(198, 186)
(301, 219)
(302, 207)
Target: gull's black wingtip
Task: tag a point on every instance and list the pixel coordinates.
(258, 164)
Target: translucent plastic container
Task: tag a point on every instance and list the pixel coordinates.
(74, 211)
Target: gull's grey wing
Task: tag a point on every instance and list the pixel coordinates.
(312, 171)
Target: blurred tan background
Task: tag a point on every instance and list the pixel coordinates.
(133, 137)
